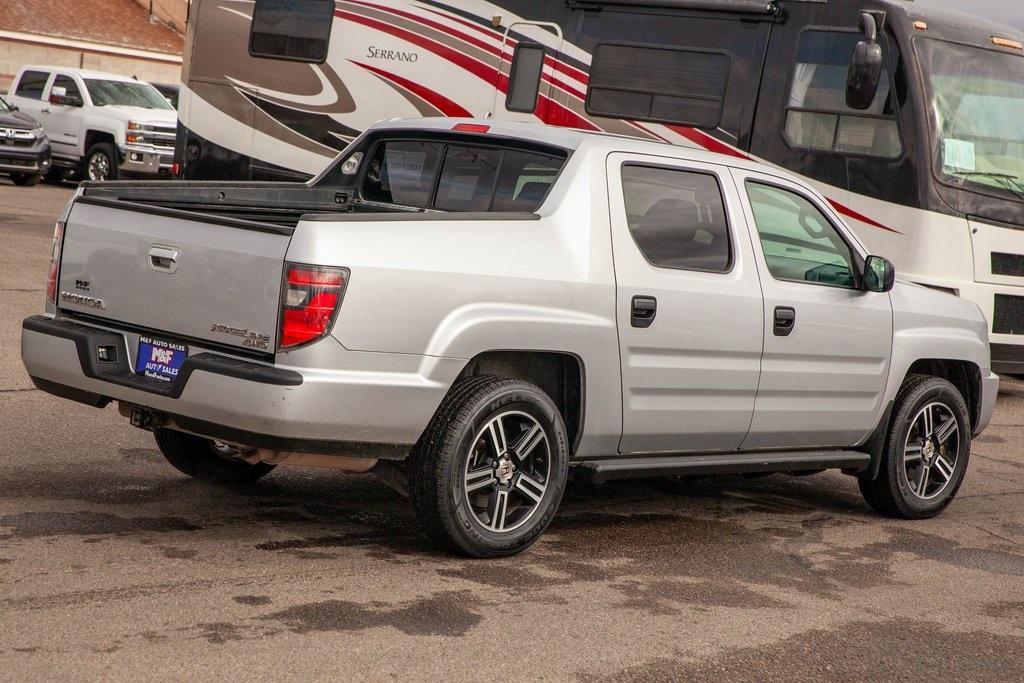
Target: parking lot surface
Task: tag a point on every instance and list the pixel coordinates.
(114, 564)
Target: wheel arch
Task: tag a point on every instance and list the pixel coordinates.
(560, 374)
(962, 374)
(94, 136)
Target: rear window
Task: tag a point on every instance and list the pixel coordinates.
(32, 84)
(454, 177)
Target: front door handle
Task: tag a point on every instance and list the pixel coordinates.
(785, 320)
(643, 311)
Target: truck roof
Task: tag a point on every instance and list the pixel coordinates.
(84, 73)
(572, 139)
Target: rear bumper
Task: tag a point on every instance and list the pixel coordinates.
(352, 411)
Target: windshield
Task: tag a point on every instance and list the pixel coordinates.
(126, 94)
(977, 96)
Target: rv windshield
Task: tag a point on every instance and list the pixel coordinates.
(125, 94)
(977, 96)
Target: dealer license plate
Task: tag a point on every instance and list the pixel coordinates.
(159, 359)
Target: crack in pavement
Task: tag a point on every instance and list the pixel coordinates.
(16, 391)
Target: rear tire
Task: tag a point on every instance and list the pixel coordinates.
(926, 453)
(100, 162)
(488, 474)
(200, 459)
(26, 180)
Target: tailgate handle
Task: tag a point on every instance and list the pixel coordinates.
(163, 259)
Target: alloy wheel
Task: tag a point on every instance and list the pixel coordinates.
(99, 166)
(507, 471)
(931, 451)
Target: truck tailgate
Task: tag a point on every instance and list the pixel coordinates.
(217, 280)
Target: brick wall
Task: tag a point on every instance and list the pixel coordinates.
(13, 55)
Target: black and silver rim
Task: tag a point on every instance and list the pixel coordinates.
(99, 166)
(507, 471)
(932, 451)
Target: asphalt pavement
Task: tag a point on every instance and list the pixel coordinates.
(114, 565)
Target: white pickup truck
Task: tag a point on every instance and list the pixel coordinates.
(101, 126)
(475, 309)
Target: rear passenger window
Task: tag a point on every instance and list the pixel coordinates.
(32, 84)
(677, 218)
(658, 84)
(297, 30)
(433, 175)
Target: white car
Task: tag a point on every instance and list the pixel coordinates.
(473, 308)
(102, 126)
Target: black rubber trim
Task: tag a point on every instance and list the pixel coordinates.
(1008, 359)
(136, 207)
(600, 471)
(355, 449)
(118, 372)
(70, 393)
(422, 216)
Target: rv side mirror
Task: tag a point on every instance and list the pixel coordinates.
(879, 274)
(865, 67)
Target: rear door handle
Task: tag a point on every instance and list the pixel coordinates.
(643, 311)
(785, 320)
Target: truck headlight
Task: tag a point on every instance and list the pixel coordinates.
(39, 133)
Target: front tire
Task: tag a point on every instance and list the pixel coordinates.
(205, 460)
(487, 476)
(926, 452)
(100, 162)
(26, 180)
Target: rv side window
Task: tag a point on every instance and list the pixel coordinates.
(32, 84)
(297, 30)
(671, 85)
(817, 116)
(677, 218)
(524, 78)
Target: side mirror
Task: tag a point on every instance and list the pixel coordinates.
(879, 274)
(865, 70)
(59, 95)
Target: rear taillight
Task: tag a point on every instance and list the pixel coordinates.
(312, 296)
(55, 249)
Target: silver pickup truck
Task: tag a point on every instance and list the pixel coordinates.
(476, 309)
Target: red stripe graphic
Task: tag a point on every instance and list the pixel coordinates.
(557, 114)
(435, 99)
(850, 213)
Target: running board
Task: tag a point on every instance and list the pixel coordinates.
(600, 471)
